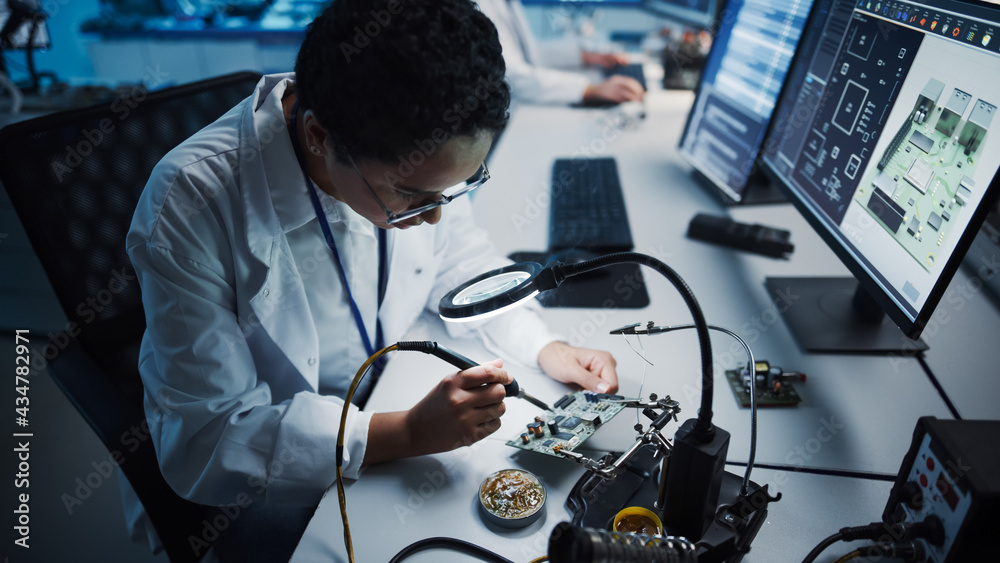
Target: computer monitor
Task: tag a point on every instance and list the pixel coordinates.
(743, 75)
(15, 25)
(882, 140)
(697, 13)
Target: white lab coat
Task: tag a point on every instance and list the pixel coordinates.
(534, 71)
(230, 356)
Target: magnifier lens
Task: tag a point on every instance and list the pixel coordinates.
(490, 287)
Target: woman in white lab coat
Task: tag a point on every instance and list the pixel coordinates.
(276, 250)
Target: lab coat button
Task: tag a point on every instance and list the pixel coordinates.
(312, 361)
(266, 292)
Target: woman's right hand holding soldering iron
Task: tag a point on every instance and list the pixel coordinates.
(461, 409)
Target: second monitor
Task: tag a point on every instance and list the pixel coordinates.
(740, 85)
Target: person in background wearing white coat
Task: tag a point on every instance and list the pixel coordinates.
(532, 69)
(282, 245)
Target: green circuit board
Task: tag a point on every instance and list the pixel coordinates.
(785, 396)
(574, 418)
(924, 178)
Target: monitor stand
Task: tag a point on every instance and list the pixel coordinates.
(836, 315)
(760, 190)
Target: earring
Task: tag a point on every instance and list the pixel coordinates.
(315, 150)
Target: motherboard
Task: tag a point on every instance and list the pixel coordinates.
(572, 420)
(923, 180)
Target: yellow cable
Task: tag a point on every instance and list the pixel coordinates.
(539, 559)
(852, 555)
(340, 444)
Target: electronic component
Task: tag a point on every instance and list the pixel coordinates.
(571, 422)
(914, 227)
(950, 476)
(536, 429)
(896, 141)
(919, 175)
(573, 419)
(927, 100)
(885, 182)
(888, 211)
(774, 385)
(565, 401)
(975, 128)
(964, 191)
(953, 111)
(934, 220)
(921, 141)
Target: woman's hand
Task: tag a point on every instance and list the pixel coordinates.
(461, 409)
(590, 369)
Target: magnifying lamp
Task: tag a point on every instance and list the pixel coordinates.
(696, 463)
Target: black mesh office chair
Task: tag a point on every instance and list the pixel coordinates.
(74, 179)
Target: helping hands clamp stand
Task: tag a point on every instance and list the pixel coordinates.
(638, 477)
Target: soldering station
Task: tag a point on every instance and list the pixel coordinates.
(668, 497)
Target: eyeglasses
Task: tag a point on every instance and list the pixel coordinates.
(478, 179)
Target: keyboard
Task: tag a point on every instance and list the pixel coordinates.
(633, 70)
(587, 206)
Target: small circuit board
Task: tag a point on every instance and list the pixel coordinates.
(573, 419)
(782, 395)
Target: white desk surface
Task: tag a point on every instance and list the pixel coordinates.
(857, 415)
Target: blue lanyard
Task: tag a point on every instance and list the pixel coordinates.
(328, 235)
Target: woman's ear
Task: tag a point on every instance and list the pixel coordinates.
(316, 135)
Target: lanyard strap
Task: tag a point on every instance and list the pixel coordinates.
(328, 235)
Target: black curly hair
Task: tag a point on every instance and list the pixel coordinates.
(383, 76)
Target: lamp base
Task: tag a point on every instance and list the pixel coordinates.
(594, 502)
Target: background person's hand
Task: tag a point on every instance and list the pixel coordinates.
(605, 60)
(616, 89)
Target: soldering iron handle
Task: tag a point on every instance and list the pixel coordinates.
(454, 358)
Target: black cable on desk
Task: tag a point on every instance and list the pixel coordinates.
(937, 385)
(818, 471)
(452, 544)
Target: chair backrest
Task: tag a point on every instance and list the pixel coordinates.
(74, 179)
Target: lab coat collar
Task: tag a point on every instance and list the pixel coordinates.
(283, 174)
